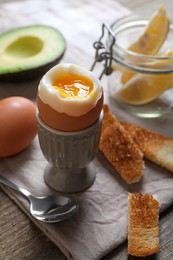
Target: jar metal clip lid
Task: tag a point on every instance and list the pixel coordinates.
(104, 54)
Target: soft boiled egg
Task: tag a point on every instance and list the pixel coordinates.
(70, 98)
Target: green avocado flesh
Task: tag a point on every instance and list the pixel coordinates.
(30, 50)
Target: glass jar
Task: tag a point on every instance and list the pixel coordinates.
(151, 77)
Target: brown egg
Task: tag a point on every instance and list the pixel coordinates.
(18, 125)
(63, 122)
(69, 98)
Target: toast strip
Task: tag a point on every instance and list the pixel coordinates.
(143, 228)
(119, 148)
(156, 148)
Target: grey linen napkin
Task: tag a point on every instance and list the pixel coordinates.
(101, 223)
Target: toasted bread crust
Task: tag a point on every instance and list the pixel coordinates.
(143, 229)
(119, 148)
(108, 119)
(156, 147)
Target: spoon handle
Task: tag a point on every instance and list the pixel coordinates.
(14, 187)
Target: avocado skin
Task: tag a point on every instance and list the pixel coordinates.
(31, 74)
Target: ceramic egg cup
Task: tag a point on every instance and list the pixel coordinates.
(69, 156)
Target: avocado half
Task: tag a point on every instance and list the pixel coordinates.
(28, 52)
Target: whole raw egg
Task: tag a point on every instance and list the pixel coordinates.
(70, 98)
(18, 125)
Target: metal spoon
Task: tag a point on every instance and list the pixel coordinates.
(48, 209)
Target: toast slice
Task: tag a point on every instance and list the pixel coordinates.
(143, 227)
(156, 147)
(120, 149)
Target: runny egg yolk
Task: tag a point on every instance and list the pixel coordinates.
(73, 86)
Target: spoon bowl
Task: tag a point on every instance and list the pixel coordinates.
(50, 209)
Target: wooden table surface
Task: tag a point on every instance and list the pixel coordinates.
(21, 239)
